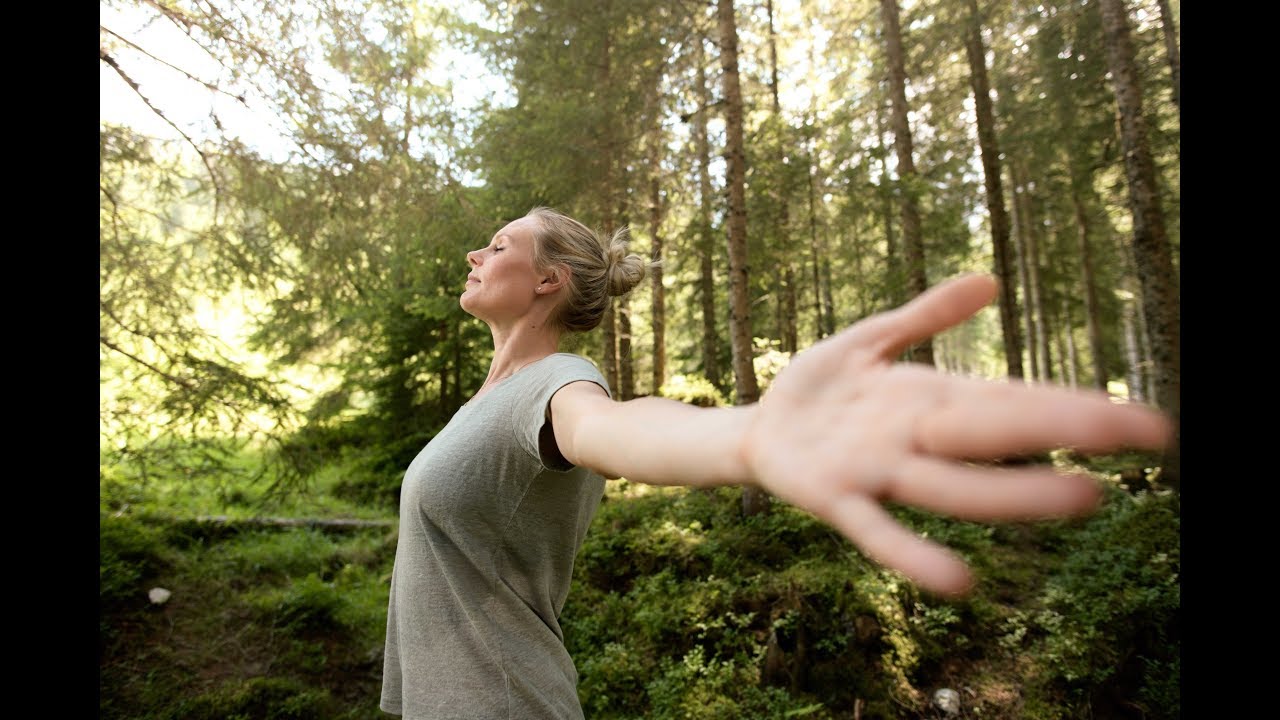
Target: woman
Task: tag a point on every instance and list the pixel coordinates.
(495, 507)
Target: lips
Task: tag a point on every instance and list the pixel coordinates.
(472, 279)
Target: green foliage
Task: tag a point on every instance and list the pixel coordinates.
(697, 688)
(680, 607)
(129, 554)
(676, 597)
(1109, 618)
(281, 623)
(262, 698)
(353, 247)
(372, 476)
(693, 389)
(307, 607)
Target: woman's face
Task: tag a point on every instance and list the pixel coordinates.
(502, 279)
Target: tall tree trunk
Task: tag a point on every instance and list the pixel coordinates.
(754, 499)
(706, 241)
(818, 321)
(1091, 309)
(610, 325)
(912, 238)
(626, 366)
(1021, 245)
(1043, 330)
(659, 311)
(790, 337)
(782, 195)
(859, 275)
(1071, 363)
(827, 302)
(893, 260)
(1034, 286)
(609, 221)
(1148, 364)
(990, 152)
(1152, 253)
(1171, 50)
(1036, 340)
(1133, 349)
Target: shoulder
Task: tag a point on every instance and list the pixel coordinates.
(567, 367)
(572, 361)
(577, 378)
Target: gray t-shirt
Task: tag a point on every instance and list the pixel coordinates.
(491, 517)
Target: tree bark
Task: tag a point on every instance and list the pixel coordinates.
(746, 390)
(818, 321)
(1070, 362)
(610, 326)
(912, 238)
(1044, 332)
(1024, 271)
(626, 366)
(706, 242)
(1152, 253)
(1037, 341)
(827, 302)
(609, 221)
(1171, 50)
(782, 194)
(658, 301)
(893, 260)
(990, 151)
(1091, 309)
(1133, 350)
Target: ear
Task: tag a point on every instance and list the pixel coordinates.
(554, 279)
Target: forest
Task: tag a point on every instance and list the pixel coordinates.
(284, 222)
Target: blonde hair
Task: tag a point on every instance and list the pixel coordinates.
(599, 267)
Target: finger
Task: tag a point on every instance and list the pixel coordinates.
(984, 493)
(983, 420)
(882, 539)
(942, 306)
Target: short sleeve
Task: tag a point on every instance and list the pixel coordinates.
(530, 414)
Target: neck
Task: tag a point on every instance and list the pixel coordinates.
(517, 346)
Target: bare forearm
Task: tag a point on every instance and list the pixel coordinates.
(665, 442)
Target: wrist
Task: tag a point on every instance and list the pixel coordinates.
(739, 458)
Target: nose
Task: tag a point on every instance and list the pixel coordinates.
(473, 258)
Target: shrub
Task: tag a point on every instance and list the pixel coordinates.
(1108, 626)
(307, 608)
(693, 389)
(264, 698)
(695, 688)
(129, 554)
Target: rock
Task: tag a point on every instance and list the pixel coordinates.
(947, 700)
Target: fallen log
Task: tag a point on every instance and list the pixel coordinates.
(220, 526)
(322, 523)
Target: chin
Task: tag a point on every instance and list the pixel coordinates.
(468, 305)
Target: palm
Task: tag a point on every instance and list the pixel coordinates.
(844, 428)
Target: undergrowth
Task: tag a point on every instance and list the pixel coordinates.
(679, 608)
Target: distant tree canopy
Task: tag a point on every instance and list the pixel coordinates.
(352, 247)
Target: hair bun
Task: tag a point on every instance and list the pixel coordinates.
(625, 270)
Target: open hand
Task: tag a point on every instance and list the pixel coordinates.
(844, 428)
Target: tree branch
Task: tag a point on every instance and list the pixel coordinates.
(217, 187)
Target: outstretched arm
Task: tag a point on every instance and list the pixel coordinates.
(845, 428)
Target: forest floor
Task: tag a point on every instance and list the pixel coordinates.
(288, 622)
